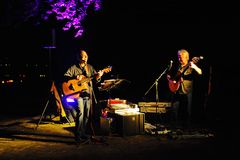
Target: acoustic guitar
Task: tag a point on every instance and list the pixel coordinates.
(175, 82)
(74, 87)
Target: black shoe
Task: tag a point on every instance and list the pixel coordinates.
(85, 137)
(79, 140)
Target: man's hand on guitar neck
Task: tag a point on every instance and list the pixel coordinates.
(100, 73)
(80, 77)
(195, 67)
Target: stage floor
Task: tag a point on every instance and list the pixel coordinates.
(23, 138)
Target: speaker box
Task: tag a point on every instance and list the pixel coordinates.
(129, 124)
(105, 125)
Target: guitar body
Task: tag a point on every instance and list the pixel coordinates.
(173, 85)
(74, 87)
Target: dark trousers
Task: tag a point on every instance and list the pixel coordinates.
(181, 110)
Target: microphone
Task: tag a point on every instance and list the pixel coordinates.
(170, 65)
(83, 61)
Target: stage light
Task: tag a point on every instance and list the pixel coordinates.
(70, 100)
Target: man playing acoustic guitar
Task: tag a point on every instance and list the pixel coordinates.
(180, 81)
(78, 86)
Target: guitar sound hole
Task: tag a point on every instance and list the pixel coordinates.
(71, 87)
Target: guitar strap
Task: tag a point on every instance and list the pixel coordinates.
(87, 70)
(181, 68)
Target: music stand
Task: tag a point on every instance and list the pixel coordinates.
(110, 84)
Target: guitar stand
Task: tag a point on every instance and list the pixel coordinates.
(44, 110)
(42, 114)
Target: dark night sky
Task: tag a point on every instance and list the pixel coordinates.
(137, 38)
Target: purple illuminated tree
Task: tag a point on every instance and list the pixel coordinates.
(73, 12)
(70, 12)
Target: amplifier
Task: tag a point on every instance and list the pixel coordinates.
(153, 107)
(116, 101)
(154, 104)
(152, 110)
(128, 124)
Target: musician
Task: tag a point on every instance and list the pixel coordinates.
(180, 78)
(80, 72)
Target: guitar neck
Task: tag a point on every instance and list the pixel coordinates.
(88, 79)
(84, 80)
(181, 73)
(186, 67)
(194, 60)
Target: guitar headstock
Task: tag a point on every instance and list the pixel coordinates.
(196, 59)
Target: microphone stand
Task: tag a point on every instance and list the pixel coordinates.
(156, 86)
